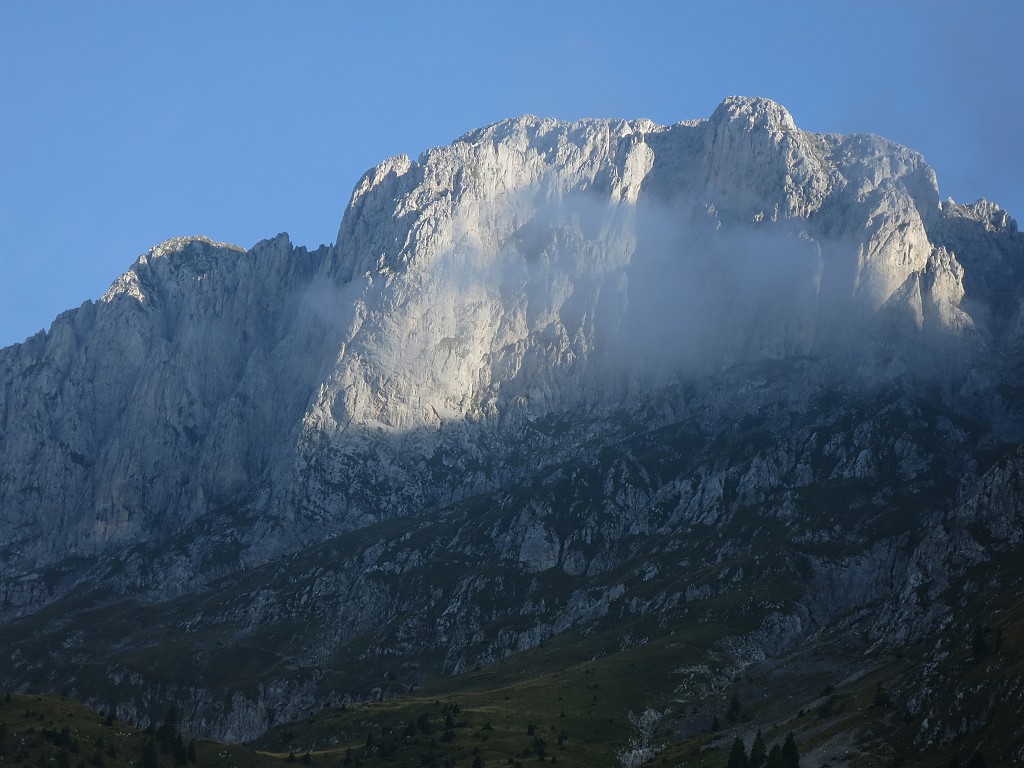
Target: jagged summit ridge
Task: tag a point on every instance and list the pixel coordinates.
(589, 376)
(533, 213)
(178, 244)
(129, 283)
(527, 268)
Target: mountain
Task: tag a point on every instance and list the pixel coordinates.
(597, 383)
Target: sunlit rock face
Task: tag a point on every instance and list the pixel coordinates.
(553, 377)
(533, 266)
(530, 268)
(525, 262)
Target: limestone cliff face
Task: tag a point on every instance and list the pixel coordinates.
(533, 266)
(133, 415)
(530, 268)
(502, 270)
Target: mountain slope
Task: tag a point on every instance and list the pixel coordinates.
(611, 378)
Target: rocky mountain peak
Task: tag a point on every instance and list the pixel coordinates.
(527, 268)
(551, 377)
(752, 113)
(175, 259)
(180, 244)
(990, 215)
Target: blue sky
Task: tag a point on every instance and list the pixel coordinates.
(125, 123)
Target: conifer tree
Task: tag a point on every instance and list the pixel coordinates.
(979, 643)
(167, 734)
(790, 753)
(738, 755)
(149, 759)
(758, 751)
(423, 723)
(735, 711)
(775, 759)
(881, 697)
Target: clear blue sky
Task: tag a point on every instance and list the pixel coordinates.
(125, 123)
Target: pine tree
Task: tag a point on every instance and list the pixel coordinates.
(178, 750)
(735, 711)
(790, 754)
(149, 759)
(738, 755)
(167, 734)
(171, 720)
(881, 697)
(979, 643)
(775, 759)
(423, 723)
(758, 751)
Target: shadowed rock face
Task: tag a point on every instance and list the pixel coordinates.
(517, 301)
